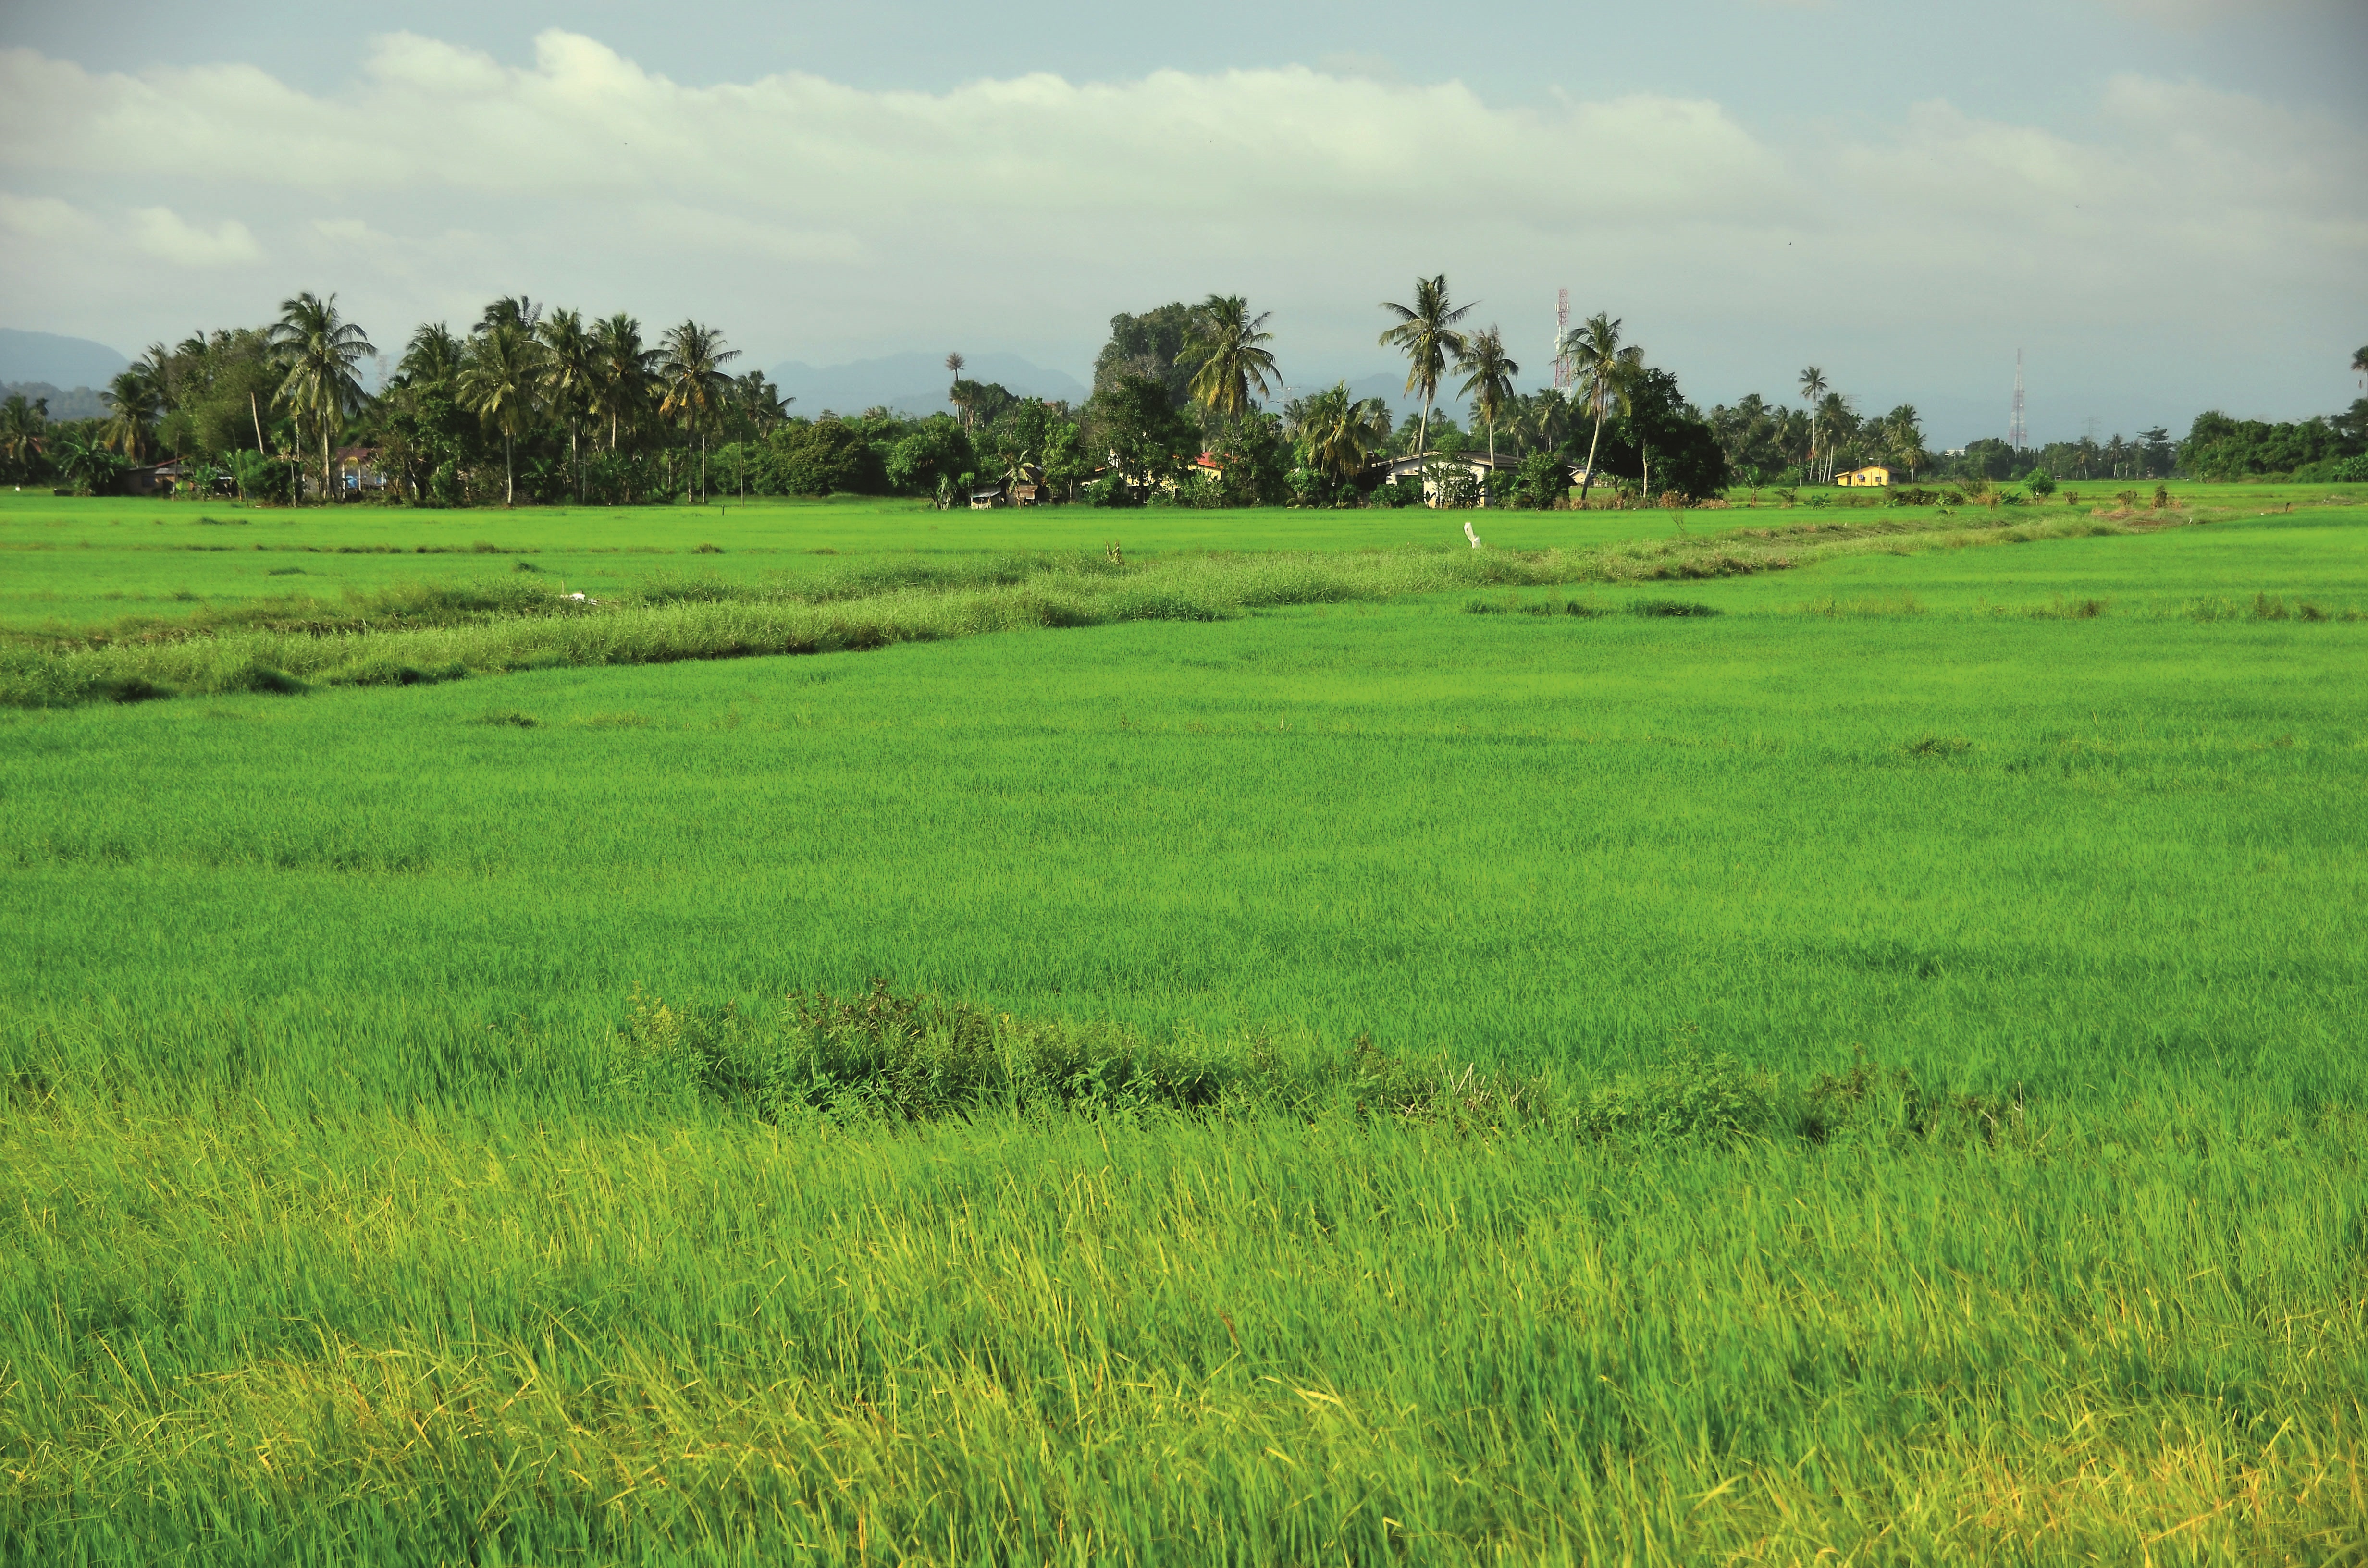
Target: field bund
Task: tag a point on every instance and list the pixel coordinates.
(1432, 1056)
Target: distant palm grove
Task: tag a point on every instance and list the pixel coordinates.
(536, 405)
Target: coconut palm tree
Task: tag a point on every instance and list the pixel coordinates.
(1339, 433)
(568, 371)
(1841, 425)
(24, 428)
(621, 372)
(132, 404)
(318, 348)
(1545, 419)
(432, 357)
(695, 383)
(1488, 380)
(500, 372)
(1230, 344)
(510, 310)
(1426, 334)
(2359, 364)
(162, 373)
(959, 394)
(760, 400)
(1813, 391)
(1903, 439)
(1603, 371)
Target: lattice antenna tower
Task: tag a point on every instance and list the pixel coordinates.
(2018, 434)
(1561, 331)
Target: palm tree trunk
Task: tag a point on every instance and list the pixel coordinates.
(510, 474)
(1588, 482)
(324, 461)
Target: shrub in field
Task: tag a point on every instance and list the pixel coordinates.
(907, 1058)
(881, 1055)
(1889, 1106)
(1713, 1098)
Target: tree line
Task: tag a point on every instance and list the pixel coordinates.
(1187, 407)
(1773, 443)
(535, 403)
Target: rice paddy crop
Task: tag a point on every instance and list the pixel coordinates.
(1871, 1071)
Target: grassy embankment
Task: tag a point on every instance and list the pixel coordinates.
(353, 1209)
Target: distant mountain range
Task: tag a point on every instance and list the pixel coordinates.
(63, 403)
(911, 383)
(60, 361)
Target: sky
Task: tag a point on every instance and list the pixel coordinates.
(2162, 204)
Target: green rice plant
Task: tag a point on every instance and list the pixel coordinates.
(1361, 1084)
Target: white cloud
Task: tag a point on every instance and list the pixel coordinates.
(167, 236)
(45, 219)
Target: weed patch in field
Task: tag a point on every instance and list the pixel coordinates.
(135, 688)
(883, 1054)
(1669, 607)
(1878, 607)
(265, 678)
(1933, 747)
(510, 717)
(2063, 608)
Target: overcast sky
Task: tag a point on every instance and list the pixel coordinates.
(2164, 203)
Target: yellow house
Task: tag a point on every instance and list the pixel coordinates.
(1873, 473)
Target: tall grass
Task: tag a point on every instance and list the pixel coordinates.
(254, 1335)
(417, 633)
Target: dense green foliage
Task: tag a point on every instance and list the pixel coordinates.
(2323, 448)
(1871, 1071)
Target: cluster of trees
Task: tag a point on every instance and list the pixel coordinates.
(2331, 447)
(549, 404)
(1774, 443)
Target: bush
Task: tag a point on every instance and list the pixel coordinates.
(2040, 482)
(1541, 483)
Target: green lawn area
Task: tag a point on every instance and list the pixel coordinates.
(335, 1226)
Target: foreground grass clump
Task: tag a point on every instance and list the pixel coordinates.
(419, 634)
(653, 1326)
(881, 1056)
